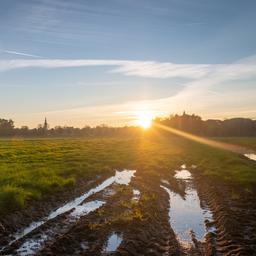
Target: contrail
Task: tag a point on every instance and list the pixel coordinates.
(22, 54)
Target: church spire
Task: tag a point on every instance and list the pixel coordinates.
(46, 126)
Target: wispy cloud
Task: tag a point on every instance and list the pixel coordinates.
(126, 67)
(204, 95)
(21, 54)
(150, 69)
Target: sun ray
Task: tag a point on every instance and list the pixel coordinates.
(144, 119)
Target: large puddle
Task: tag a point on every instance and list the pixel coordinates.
(75, 209)
(187, 217)
(251, 156)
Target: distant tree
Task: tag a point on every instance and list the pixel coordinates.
(194, 124)
(6, 127)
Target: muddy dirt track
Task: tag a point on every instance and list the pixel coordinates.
(128, 214)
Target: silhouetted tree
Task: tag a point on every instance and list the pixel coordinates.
(185, 122)
(6, 127)
(194, 124)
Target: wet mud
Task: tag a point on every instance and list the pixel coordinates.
(137, 213)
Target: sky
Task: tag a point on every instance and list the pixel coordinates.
(87, 62)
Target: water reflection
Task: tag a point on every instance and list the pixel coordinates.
(76, 209)
(251, 156)
(136, 195)
(183, 175)
(186, 216)
(113, 242)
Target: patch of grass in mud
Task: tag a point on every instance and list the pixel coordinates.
(30, 169)
(128, 210)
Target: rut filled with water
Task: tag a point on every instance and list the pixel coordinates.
(59, 221)
(187, 215)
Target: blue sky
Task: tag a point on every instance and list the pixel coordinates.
(90, 62)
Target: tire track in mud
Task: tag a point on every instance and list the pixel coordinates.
(146, 234)
(234, 218)
(138, 214)
(142, 223)
(188, 214)
(37, 210)
(32, 238)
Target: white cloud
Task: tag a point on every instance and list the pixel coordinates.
(151, 69)
(126, 67)
(162, 69)
(205, 93)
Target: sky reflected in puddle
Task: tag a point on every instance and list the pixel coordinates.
(113, 242)
(77, 209)
(186, 214)
(33, 245)
(165, 182)
(251, 156)
(136, 195)
(183, 175)
(86, 208)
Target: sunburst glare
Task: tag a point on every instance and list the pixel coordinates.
(144, 119)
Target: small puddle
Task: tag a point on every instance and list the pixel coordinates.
(183, 175)
(186, 215)
(136, 195)
(84, 246)
(165, 182)
(86, 208)
(31, 246)
(113, 242)
(77, 210)
(251, 156)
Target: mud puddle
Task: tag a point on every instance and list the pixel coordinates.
(33, 238)
(113, 243)
(32, 245)
(136, 195)
(251, 156)
(187, 217)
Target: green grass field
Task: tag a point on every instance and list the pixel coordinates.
(248, 142)
(31, 168)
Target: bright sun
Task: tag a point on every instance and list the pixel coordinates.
(144, 119)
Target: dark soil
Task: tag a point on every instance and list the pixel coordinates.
(144, 224)
(234, 212)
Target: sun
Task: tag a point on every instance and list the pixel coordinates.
(144, 119)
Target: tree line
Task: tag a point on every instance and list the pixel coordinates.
(234, 127)
(7, 129)
(185, 122)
